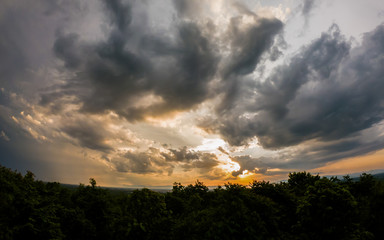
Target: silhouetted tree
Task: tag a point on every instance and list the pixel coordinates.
(304, 207)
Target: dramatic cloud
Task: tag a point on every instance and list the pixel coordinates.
(155, 160)
(249, 42)
(135, 91)
(134, 72)
(250, 164)
(88, 134)
(328, 91)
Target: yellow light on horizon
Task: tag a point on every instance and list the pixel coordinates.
(355, 164)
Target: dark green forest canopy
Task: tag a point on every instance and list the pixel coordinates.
(304, 207)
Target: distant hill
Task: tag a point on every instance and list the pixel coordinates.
(377, 173)
(379, 176)
(117, 190)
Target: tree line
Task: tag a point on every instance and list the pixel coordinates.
(304, 207)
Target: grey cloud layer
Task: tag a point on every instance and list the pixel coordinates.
(307, 158)
(89, 134)
(155, 161)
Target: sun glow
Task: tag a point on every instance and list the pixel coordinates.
(245, 174)
(210, 144)
(228, 165)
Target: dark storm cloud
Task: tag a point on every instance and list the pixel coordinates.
(155, 161)
(134, 64)
(89, 134)
(328, 91)
(120, 14)
(138, 73)
(66, 48)
(187, 68)
(248, 45)
(192, 159)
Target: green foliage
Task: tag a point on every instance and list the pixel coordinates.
(334, 208)
(26, 208)
(304, 207)
(298, 182)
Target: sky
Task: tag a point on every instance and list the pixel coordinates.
(148, 93)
